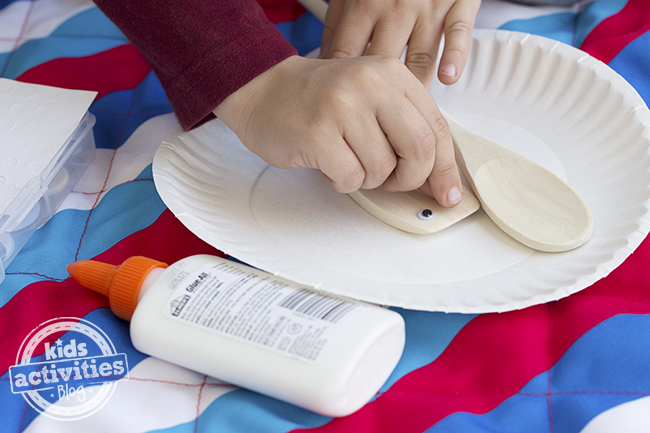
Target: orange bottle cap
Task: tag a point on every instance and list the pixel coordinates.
(121, 284)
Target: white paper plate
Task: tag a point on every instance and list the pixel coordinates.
(549, 101)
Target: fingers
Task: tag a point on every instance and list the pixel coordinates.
(347, 31)
(363, 122)
(391, 35)
(413, 143)
(373, 150)
(443, 182)
(392, 141)
(404, 144)
(399, 154)
(422, 53)
(350, 26)
(352, 153)
(360, 157)
(425, 160)
(341, 167)
(458, 26)
(332, 18)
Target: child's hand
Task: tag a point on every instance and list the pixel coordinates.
(390, 25)
(363, 121)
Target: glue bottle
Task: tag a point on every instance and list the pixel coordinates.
(324, 353)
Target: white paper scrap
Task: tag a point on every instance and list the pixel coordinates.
(35, 123)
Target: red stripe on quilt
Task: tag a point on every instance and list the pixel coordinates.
(495, 355)
(120, 68)
(166, 240)
(281, 11)
(609, 37)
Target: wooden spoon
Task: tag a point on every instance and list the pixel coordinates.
(524, 199)
(413, 211)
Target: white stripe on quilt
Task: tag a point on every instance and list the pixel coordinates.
(130, 159)
(43, 18)
(630, 417)
(157, 395)
(493, 15)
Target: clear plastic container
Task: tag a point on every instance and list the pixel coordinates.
(39, 199)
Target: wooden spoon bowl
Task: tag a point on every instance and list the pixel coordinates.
(527, 201)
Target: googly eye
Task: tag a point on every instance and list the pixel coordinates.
(425, 214)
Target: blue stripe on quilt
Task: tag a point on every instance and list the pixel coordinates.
(587, 380)
(102, 35)
(137, 105)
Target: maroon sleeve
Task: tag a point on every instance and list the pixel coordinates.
(201, 50)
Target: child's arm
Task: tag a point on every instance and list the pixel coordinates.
(363, 122)
(201, 50)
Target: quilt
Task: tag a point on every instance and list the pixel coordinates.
(579, 364)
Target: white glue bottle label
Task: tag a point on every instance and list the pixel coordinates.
(260, 309)
(321, 352)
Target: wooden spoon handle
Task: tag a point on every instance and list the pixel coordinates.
(472, 149)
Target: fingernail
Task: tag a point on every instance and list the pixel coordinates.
(454, 196)
(449, 70)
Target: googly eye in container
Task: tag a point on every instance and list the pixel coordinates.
(40, 197)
